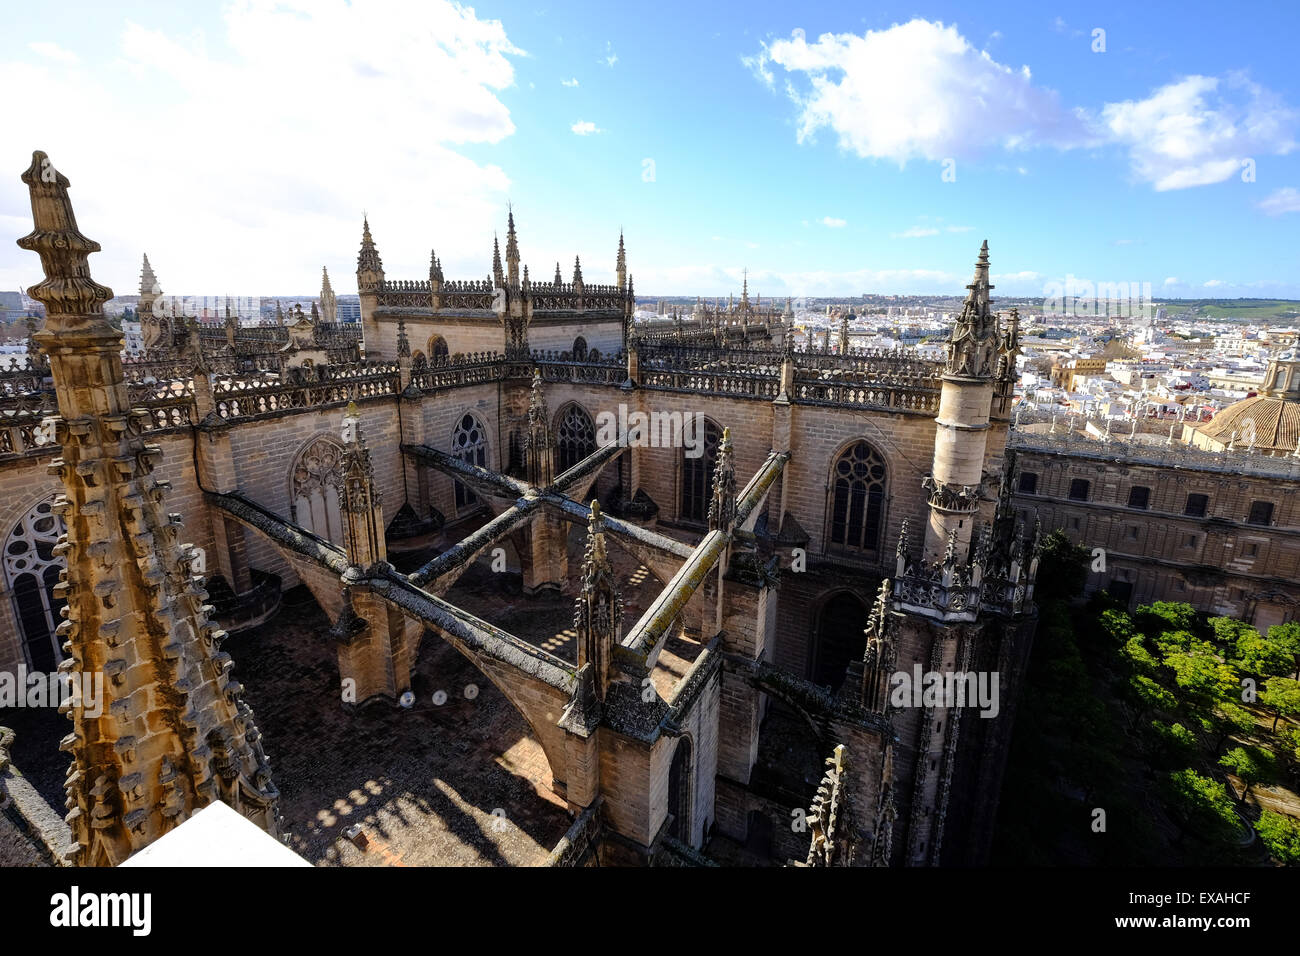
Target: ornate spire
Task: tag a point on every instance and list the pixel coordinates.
(328, 300)
(173, 734)
(577, 271)
(498, 274)
(974, 338)
(559, 279)
(744, 292)
(512, 250)
(538, 441)
(359, 499)
(620, 264)
(598, 616)
(722, 509)
(370, 268)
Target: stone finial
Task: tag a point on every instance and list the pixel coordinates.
(598, 613)
(67, 289)
(827, 816)
(538, 441)
(577, 271)
(559, 279)
(722, 507)
(498, 274)
(403, 343)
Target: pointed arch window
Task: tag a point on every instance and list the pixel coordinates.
(438, 352)
(31, 571)
(469, 444)
(317, 477)
(580, 349)
(697, 476)
(857, 499)
(575, 437)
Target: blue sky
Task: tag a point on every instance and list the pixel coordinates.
(239, 144)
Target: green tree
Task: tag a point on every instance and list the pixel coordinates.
(1202, 804)
(1166, 616)
(1138, 657)
(1062, 568)
(1257, 654)
(1251, 765)
(1281, 835)
(1282, 696)
(1287, 636)
(1176, 743)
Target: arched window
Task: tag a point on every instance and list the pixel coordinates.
(580, 349)
(31, 572)
(317, 476)
(679, 791)
(839, 639)
(857, 499)
(575, 436)
(697, 476)
(418, 360)
(437, 350)
(469, 444)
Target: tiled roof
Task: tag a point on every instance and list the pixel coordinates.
(1276, 423)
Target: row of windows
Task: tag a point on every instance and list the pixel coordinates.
(1139, 497)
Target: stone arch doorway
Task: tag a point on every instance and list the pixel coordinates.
(857, 495)
(316, 478)
(31, 570)
(838, 638)
(575, 436)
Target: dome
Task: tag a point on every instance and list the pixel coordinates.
(1276, 424)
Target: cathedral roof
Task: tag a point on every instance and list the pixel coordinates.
(1276, 423)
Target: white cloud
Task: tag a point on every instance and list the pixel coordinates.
(1173, 280)
(945, 99)
(834, 223)
(570, 82)
(1213, 283)
(610, 56)
(915, 232)
(1284, 200)
(585, 128)
(270, 187)
(920, 90)
(54, 52)
(1200, 130)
